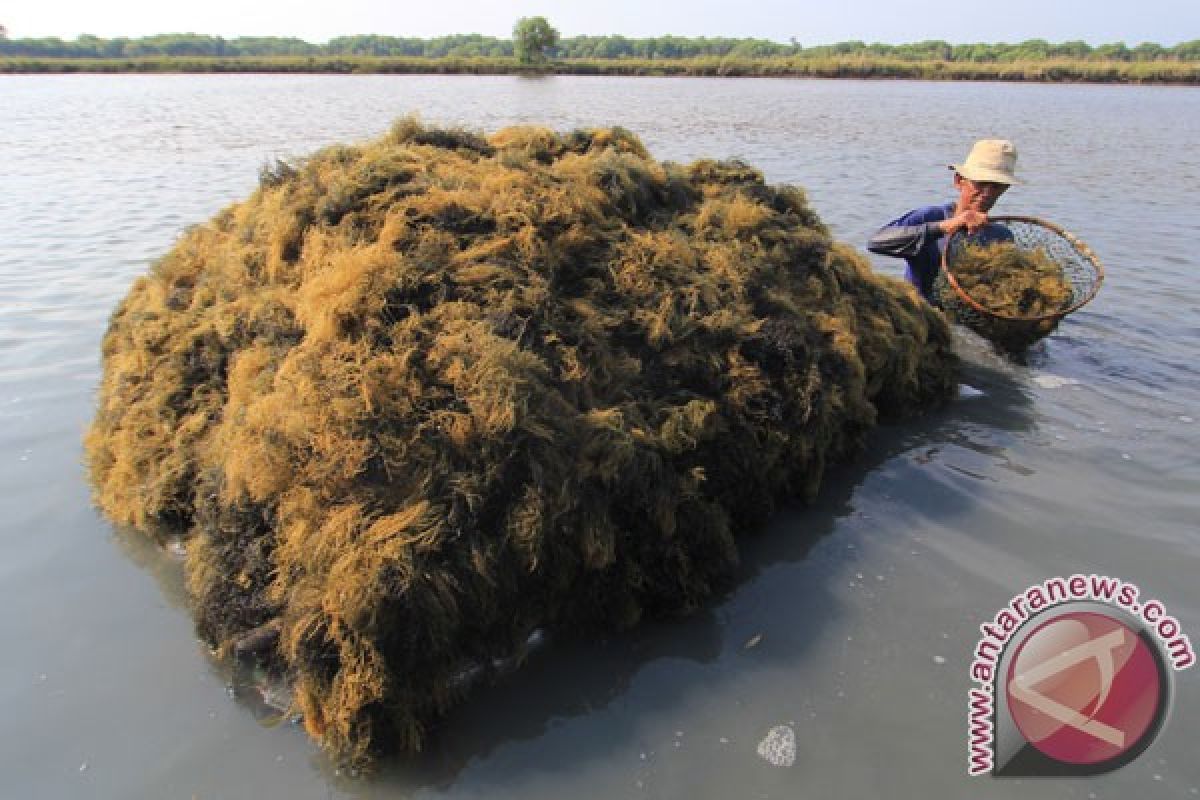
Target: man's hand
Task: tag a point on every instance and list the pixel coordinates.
(968, 218)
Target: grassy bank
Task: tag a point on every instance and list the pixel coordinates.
(1050, 71)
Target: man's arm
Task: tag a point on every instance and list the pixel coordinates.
(903, 241)
(905, 237)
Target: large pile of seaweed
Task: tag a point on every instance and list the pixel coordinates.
(415, 399)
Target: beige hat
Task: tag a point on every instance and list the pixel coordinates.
(993, 160)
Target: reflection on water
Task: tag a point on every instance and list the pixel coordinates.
(851, 621)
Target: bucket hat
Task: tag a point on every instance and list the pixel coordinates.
(993, 160)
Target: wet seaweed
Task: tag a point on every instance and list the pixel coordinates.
(1023, 290)
(1012, 281)
(416, 399)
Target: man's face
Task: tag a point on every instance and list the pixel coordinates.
(977, 195)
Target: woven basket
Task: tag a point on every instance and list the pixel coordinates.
(1081, 269)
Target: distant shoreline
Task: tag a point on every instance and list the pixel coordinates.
(1179, 73)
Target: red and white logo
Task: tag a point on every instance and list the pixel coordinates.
(1084, 688)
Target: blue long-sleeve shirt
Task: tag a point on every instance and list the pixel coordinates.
(917, 239)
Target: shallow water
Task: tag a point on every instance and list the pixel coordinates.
(854, 620)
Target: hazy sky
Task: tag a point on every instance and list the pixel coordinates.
(1095, 21)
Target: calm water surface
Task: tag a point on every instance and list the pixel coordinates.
(1084, 459)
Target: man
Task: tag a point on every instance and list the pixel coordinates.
(920, 235)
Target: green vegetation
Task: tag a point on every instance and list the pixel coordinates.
(537, 46)
(590, 48)
(1058, 70)
(533, 40)
(280, 64)
(416, 398)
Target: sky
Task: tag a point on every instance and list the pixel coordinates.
(1166, 22)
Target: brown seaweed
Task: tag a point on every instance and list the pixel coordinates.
(417, 398)
(1012, 281)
